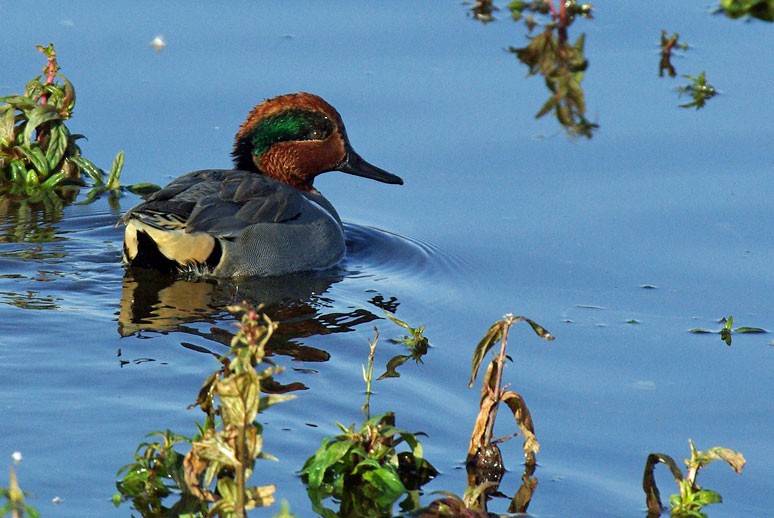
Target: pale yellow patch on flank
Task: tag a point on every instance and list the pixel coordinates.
(177, 245)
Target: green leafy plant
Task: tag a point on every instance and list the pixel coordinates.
(222, 456)
(415, 342)
(727, 330)
(15, 505)
(39, 157)
(761, 9)
(550, 55)
(562, 65)
(156, 473)
(691, 498)
(484, 461)
(700, 90)
(362, 469)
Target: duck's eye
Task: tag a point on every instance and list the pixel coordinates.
(315, 134)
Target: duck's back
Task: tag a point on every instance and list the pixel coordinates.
(232, 223)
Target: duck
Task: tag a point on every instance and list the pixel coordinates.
(262, 218)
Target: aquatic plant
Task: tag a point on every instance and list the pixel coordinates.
(727, 330)
(15, 504)
(415, 342)
(562, 65)
(668, 44)
(691, 498)
(216, 469)
(761, 9)
(700, 90)
(362, 468)
(550, 55)
(484, 460)
(39, 157)
(156, 473)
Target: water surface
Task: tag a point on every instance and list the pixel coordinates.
(619, 246)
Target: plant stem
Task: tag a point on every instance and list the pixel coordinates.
(50, 71)
(497, 391)
(239, 504)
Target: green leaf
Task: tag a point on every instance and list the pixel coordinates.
(387, 483)
(547, 107)
(538, 329)
(69, 93)
(143, 188)
(37, 159)
(392, 366)
(397, 321)
(707, 496)
(88, 167)
(227, 489)
(41, 114)
(239, 396)
(328, 455)
(57, 146)
(113, 182)
(492, 336)
(54, 180)
(7, 126)
(752, 330)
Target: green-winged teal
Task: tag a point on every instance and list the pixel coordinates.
(262, 218)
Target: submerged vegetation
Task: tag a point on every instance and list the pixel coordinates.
(364, 470)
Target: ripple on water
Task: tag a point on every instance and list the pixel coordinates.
(372, 252)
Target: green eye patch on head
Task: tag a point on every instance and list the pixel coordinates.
(290, 125)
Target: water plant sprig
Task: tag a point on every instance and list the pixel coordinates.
(563, 65)
(362, 468)
(668, 45)
(416, 343)
(222, 455)
(699, 89)
(484, 461)
(727, 330)
(691, 498)
(156, 473)
(39, 156)
(15, 505)
(761, 9)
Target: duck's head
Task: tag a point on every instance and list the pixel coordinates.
(293, 138)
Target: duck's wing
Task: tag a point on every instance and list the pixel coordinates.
(221, 203)
(179, 226)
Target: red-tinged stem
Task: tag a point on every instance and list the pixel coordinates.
(561, 18)
(50, 76)
(667, 49)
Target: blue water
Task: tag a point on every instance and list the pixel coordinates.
(499, 213)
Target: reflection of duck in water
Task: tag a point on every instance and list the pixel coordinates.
(263, 218)
(155, 301)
